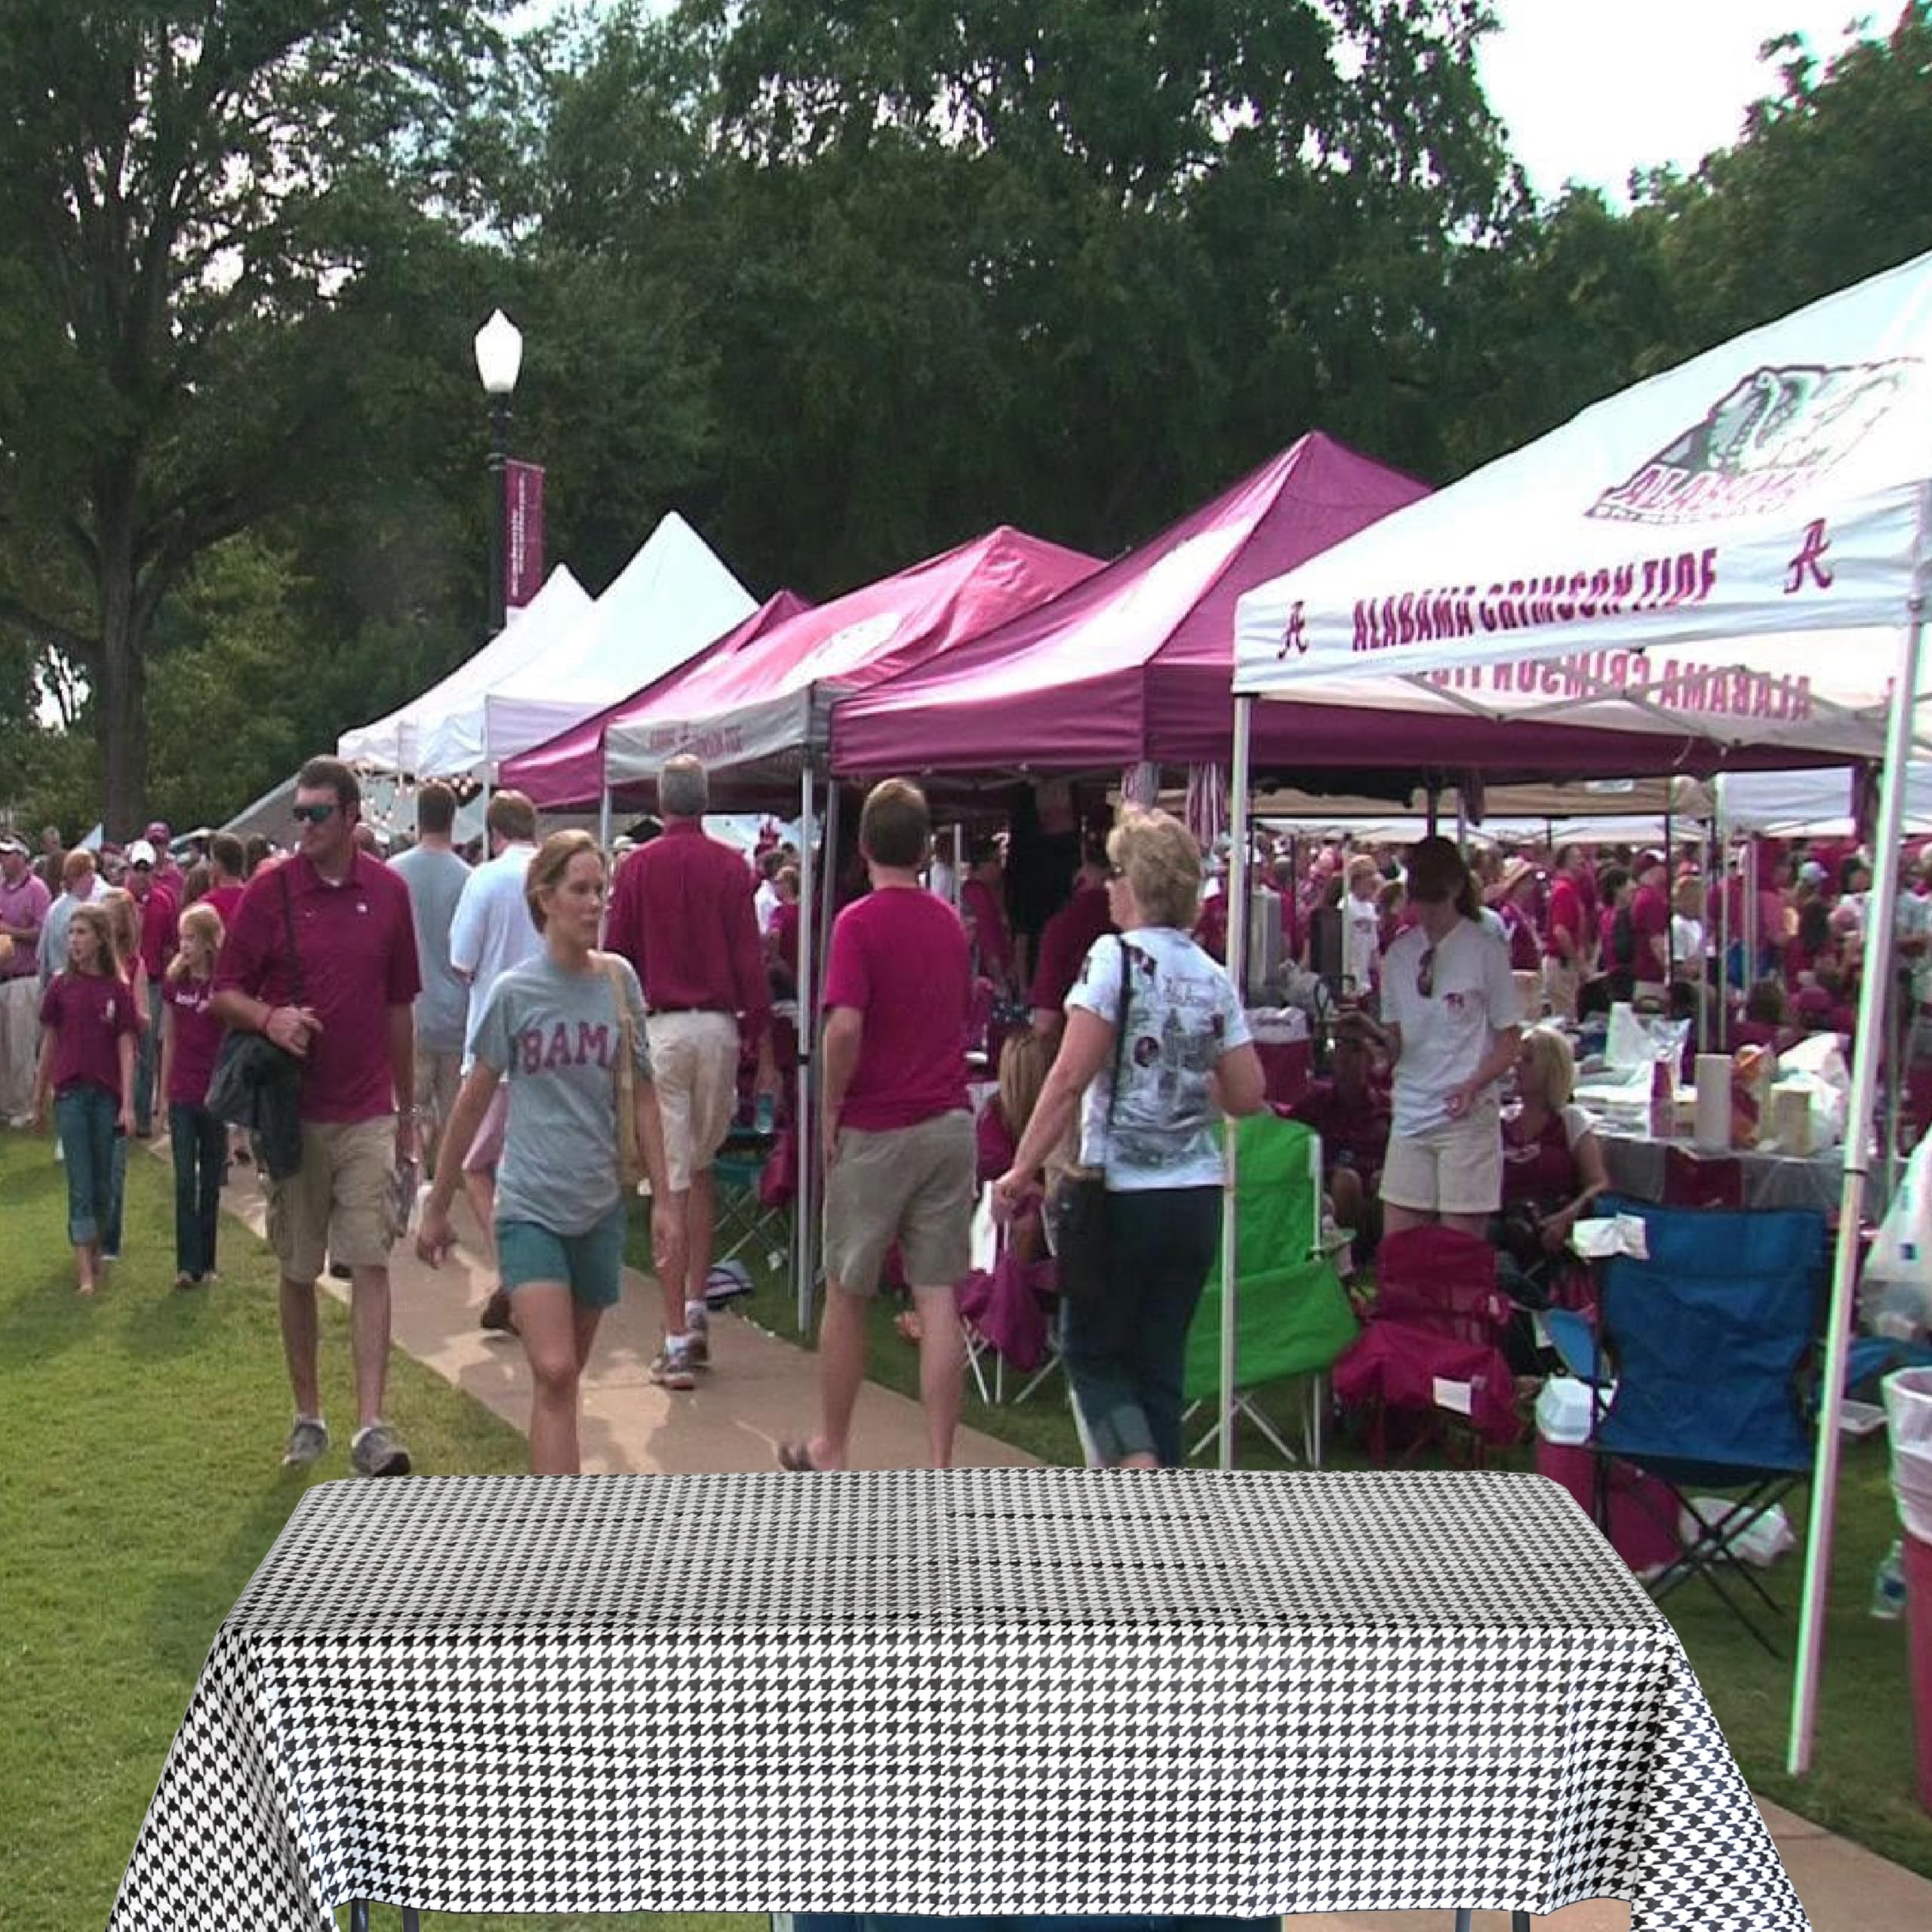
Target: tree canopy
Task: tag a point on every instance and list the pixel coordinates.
(844, 280)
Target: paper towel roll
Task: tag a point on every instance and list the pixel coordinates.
(1711, 1133)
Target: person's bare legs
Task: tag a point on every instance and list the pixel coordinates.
(546, 1319)
(1469, 1224)
(87, 1266)
(841, 1368)
(671, 1288)
(369, 1337)
(942, 1369)
(1396, 1219)
(700, 1226)
(298, 1344)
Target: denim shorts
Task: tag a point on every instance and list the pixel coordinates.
(591, 1265)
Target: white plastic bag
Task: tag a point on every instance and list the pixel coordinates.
(1902, 1249)
(1817, 1062)
(1759, 1543)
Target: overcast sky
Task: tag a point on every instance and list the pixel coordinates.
(1590, 89)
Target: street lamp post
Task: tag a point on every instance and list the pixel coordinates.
(499, 357)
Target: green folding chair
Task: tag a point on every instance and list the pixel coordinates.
(1293, 1317)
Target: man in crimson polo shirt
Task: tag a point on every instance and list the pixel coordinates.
(681, 913)
(343, 1005)
(24, 903)
(901, 1159)
(1067, 939)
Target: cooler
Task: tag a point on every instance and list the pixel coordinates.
(1909, 1422)
(1641, 1510)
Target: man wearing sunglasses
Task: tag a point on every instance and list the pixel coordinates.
(1450, 1023)
(321, 958)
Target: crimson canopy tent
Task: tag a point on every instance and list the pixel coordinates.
(760, 714)
(566, 772)
(1739, 548)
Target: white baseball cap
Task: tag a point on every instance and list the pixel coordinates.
(140, 853)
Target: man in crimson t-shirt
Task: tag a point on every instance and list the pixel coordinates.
(1067, 939)
(1649, 923)
(900, 1161)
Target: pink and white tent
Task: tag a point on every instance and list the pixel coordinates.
(763, 712)
(566, 774)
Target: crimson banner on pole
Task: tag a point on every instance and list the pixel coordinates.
(523, 532)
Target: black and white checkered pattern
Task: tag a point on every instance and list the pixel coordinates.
(1010, 1691)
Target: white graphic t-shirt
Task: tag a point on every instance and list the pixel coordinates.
(1448, 996)
(1181, 1017)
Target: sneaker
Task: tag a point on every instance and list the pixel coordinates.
(697, 1350)
(496, 1315)
(376, 1450)
(673, 1369)
(308, 1442)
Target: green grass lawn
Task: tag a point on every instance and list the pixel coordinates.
(140, 1487)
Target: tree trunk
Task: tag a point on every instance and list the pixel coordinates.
(121, 698)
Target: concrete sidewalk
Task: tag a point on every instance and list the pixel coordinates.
(761, 1391)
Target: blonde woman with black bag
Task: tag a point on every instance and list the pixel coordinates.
(1156, 1050)
(566, 1030)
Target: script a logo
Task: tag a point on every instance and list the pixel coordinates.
(1774, 432)
(1294, 632)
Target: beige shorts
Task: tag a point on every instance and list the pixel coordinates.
(1452, 1169)
(694, 1068)
(916, 1186)
(339, 1204)
(1561, 985)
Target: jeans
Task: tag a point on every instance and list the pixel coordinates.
(201, 1157)
(1125, 1351)
(87, 1121)
(147, 1055)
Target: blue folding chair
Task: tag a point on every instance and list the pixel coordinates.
(1711, 1341)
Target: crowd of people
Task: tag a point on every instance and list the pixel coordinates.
(541, 1028)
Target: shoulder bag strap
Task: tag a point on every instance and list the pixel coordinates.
(288, 926)
(1120, 1045)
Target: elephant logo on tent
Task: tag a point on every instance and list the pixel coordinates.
(1775, 432)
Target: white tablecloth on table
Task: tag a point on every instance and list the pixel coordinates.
(1011, 1690)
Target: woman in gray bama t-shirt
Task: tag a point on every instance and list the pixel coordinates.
(551, 1027)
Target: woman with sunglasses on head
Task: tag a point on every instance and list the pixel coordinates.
(1450, 1024)
(1148, 1120)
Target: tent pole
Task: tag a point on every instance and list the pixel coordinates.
(1237, 891)
(959, 865)
(604, 818)
(1669, 905)
(1880, 910)
(804, 1125)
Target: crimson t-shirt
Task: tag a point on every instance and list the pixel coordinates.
(88, 1013)
(1649, 922)
(356, 943)
(1065, 942)
(198, 1035)
(1566, 914)
(900, 959)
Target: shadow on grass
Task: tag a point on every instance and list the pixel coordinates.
(185, 1606)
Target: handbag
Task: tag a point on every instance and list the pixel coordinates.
(630, 1157)
(1077, 1210)
(256, 1084)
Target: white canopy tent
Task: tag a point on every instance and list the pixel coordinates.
(1740, 548)
(1812, 805)
(394, 743)
(670, 601)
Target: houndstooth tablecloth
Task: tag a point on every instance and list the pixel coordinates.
(1011, 1690)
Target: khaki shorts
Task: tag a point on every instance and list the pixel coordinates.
(694, 1068)
(916, 1186)
(1561, 985)
(1452, 1169)
(339, 1204)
